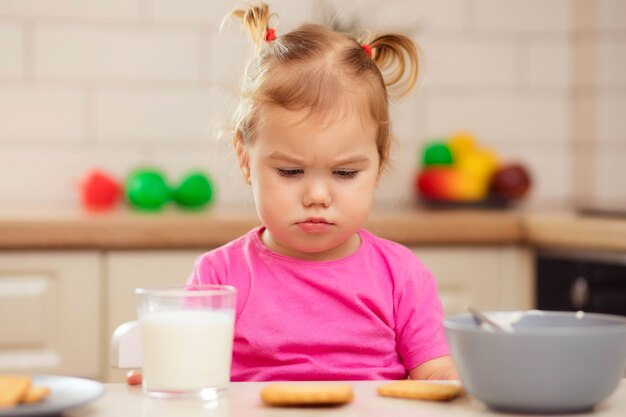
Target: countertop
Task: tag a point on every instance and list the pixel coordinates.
(70, 227)
(242, 400)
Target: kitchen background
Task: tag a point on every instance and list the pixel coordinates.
(119, 83)
(116, 84)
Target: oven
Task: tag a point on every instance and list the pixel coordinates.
(588, 281)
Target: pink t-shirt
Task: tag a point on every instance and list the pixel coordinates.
(372, 315)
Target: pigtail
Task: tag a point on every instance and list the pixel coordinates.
(396, 57)
(255, 21)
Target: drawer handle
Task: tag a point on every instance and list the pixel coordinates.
(579, 293)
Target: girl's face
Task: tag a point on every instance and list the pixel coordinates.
(313, 182)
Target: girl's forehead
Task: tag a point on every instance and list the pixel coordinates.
(304, 139)
(293, 131)
(308, 143)
(308, 120)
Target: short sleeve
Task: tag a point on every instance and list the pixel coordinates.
(420, 336)
(203, 272)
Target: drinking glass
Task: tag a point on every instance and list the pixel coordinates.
(186, 339)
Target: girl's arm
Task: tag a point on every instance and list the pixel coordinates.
(438, 368)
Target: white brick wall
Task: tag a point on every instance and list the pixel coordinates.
(198, 11)
(146, 116)
(227, 56)
(611, 56)
(549, 64)
(74, 9)
(522, 16)
(32, 114)
(501, 117)
(121, 83)
(106, 53)
(11, 40)
(212, 12)
(610, 114)
(478, 62)
(609, 15)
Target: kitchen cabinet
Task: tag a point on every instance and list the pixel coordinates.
(484, 277)
(51, 312)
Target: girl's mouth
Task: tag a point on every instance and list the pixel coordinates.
(315, 225)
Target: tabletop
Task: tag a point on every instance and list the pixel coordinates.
(243, 400)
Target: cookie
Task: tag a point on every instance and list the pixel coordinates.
(293, 395)
(421, 390)
(35, 394)
(13, 388)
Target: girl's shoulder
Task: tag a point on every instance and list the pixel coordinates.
(217, 265)
(400, 260)
(385, 246)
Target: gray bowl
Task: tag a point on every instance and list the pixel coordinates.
(552, 362)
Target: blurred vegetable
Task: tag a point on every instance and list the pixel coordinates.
(146, 189)
(100, 191)
(194, 191)
(437, 153)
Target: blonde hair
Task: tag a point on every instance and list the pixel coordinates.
(305, 68)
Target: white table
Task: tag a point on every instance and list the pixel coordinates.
(243, 400)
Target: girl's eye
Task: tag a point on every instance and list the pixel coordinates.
(345, 174)
(289, 172)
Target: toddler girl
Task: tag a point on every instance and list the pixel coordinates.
(319, 297)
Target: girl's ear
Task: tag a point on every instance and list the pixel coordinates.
(242, 157)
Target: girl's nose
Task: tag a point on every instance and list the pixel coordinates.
(317, 193)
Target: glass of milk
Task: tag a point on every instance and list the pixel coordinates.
(186, 339)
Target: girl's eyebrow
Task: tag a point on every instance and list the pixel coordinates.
(350, 160)
(284, 157)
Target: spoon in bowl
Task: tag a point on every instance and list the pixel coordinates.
(491, 324)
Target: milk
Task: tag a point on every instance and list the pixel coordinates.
(187, 350)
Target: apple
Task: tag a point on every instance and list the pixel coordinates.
(449, 184)
(435, 183)
(100, 191)
(510, 182)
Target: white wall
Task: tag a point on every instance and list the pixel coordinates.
(119, 83)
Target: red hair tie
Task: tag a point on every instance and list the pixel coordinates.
(270, 34)
(367, 48)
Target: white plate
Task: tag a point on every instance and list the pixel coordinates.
(65, 393)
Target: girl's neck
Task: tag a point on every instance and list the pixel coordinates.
(344, 250)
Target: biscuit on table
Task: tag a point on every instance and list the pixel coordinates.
(13, 388)
(35, 394)
(293, 395)
(421, 390)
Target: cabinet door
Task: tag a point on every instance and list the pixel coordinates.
(127, 270)
(50, 312)
(466, 276)
(483, 277)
